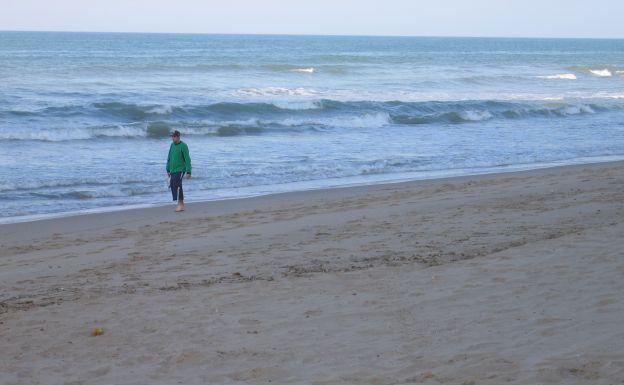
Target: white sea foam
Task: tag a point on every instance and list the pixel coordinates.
(476, 116)
(368, 120)
(46, 135)
(362, 121)
(559, 77)
(162, 110)
(101, 192)
(371, 120)
(603, 73)
(576, 110)
(297, 104)
(305, 70)
(57, 135)
(82, 182)
(123, 131)
(276, 91)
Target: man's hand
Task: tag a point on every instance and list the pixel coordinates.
(188, 175)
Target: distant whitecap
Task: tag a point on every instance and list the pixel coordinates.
(304, 70)
(559, 77)
(603, 73)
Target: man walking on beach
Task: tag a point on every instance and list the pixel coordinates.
(178, 164)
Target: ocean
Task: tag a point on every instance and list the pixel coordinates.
(84, 117)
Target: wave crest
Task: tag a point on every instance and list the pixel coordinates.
(304, 70)
(603, 73)
(231, 119)
(559, 77)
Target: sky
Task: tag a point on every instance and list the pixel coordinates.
(502, 18)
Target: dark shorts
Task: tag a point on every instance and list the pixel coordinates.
(176, 185)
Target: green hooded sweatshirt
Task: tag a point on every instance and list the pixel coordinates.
(179, 159)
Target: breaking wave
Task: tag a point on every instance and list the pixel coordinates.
(304, 70)
(603, 73)
(559, 77)
(232, 119)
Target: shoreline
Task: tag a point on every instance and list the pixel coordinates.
(318, 185)
(123, 214)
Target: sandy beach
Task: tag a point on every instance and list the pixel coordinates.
(502, 278)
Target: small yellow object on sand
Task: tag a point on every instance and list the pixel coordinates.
(97, 332)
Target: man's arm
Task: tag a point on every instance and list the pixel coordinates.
(187, 159)
(168, 160)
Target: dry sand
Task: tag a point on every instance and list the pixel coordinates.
(509, 278)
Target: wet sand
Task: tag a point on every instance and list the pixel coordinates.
(506, 278)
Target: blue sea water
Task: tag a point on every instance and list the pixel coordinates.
(84, 117)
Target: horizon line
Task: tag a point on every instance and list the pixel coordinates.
(314, 34)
